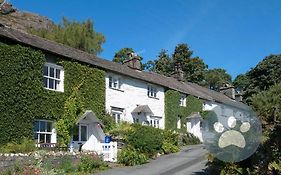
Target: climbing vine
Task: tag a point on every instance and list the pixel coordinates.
(173, 110)
(23, 99)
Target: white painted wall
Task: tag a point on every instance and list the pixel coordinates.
(134, 92)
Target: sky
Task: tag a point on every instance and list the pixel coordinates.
(231, 34)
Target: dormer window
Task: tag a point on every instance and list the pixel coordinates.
(182, 100)
(53, 77)
(115, 82)
(151, 91)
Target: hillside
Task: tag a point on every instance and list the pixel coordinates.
(24, 21)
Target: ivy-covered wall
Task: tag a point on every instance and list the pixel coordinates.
(24, 99)
(173, 110)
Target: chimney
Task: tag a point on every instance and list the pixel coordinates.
(133, 61)
(178, 73)
(228, 90)
(239, 96)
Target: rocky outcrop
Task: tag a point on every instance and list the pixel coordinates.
(23, 21)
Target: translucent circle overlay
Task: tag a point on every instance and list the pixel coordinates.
(231, 135)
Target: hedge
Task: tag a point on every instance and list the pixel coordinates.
(24, 99)
(173, 110)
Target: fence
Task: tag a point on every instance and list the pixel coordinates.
(109, 151)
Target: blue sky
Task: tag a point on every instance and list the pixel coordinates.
(230, 34)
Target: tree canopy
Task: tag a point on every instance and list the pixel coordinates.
(80, 35)
(264, 75)
(216, 78)
(122, 55)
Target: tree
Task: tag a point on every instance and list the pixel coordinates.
(263, 76)
(241, 82)
(216, 78)
(194, 70)
(163, 63)
(122, 55)
(182, 53)
(80, 35)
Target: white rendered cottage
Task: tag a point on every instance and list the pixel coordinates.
(133, 100)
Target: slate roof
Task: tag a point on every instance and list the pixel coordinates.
(142, 108)
(150, 77)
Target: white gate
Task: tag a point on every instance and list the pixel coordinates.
(109, 151)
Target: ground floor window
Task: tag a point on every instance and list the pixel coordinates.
(117, 113)
(42, 131)
(154, 122)
(136, 120)
(80, 132)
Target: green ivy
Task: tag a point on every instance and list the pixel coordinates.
(173, 110)
(24, 99)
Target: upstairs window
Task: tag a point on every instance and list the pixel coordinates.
(115, 82)
(182, 100)
(151, 91)
(53, 77)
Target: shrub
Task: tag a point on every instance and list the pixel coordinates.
(171, 137)
(131, 157)
(146, 139)
(189, 139)
(26, 146)
(169, 148)
(91, 164)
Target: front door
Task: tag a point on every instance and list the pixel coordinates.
(80, 135)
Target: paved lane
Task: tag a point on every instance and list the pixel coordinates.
(190, 161)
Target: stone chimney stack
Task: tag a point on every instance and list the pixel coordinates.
(178, 73)
(228, 90)
(239, 97)
(133, 61)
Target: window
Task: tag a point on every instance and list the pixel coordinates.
(53, 77)
(136, 120)
(151, 91)
(179, 123)
(42, 131)
(115, 82)
(117, 114)
(116, 117)
(80, 132)
(182, 100)
(154, 122)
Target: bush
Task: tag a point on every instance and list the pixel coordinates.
(171, 137)
(169, 148)
(189, 139)
(146, 139)
(91, 164)
(131, 157)
(26, 146)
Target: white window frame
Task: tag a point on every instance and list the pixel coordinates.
(178, 123)
(154, 121)
(115, 112)
(115, 82)
(44, 134)
(80, 133)
(60, 86)
(152, 91)
(183, 100)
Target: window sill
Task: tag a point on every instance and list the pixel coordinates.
(116, 89)
(53, 90)
(153, 97)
